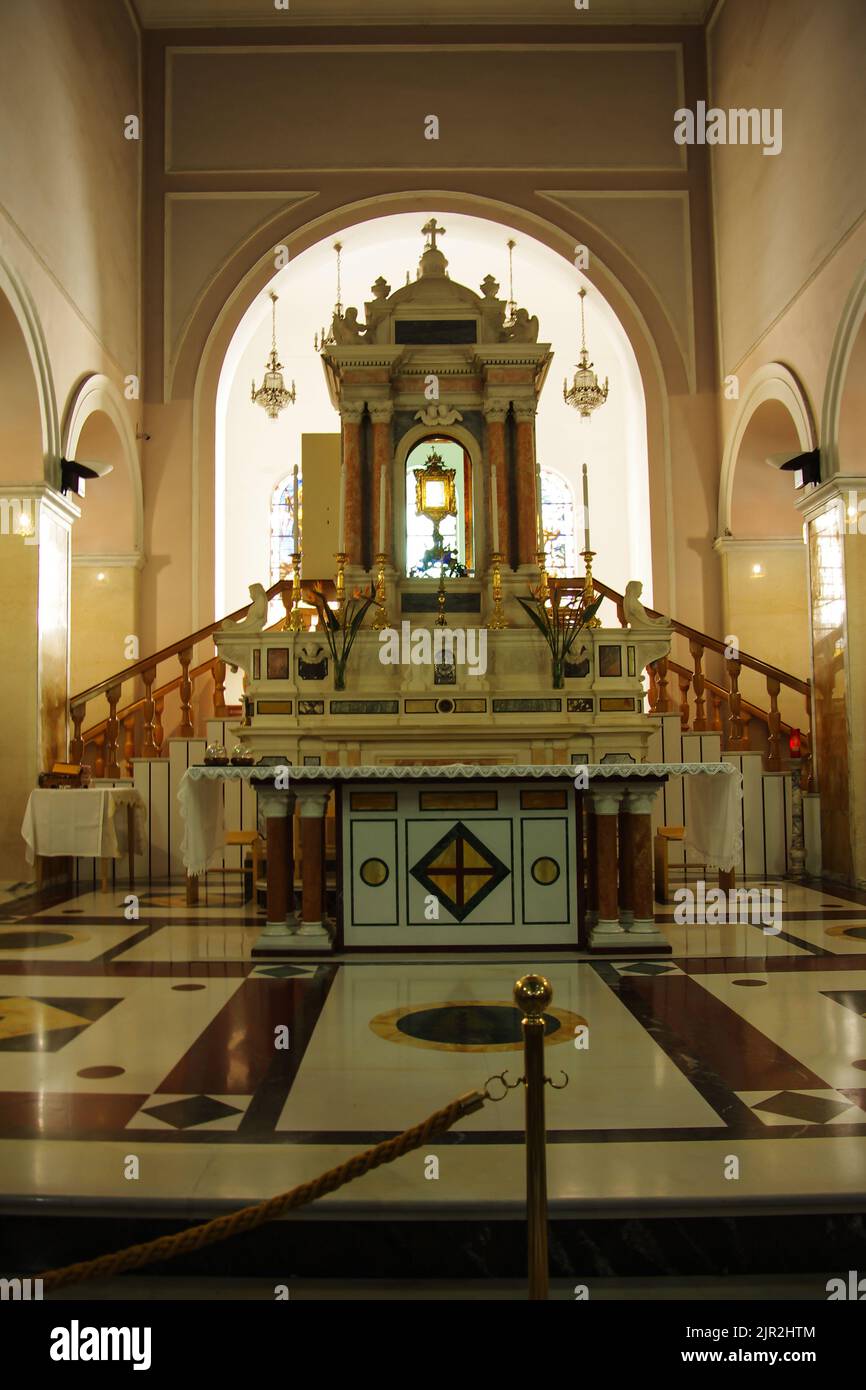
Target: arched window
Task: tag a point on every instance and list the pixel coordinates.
(557, 521)
(282, 525)
(455, 555)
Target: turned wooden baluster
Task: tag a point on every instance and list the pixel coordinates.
(158, 730)
(186, 729)
(746, 741)
(219, 689)
(99, 760)
(652, 693)
(715, 711)
(76, 743)
(774, 725)
(112, 733)
(735, 724)
(665, 704)
(685, 681)
(150, 749)
(129, 742)
(699, 723)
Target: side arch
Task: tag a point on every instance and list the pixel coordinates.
(24, 308)
(98, 394)
(837, 373)
(772, 382)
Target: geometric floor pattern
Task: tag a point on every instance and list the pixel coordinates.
(234, 1077)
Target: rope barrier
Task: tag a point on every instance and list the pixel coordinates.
(249, 1218)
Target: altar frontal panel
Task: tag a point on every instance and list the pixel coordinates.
(490, 864)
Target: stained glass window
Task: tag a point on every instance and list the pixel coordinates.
(557, 519)
(282, 523)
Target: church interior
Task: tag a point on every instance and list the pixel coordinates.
(432, 477)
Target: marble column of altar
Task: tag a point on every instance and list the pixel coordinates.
(351, 413)
(527, 506)
(494, 419)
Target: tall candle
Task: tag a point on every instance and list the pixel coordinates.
(586, 544)
(341, 521)
(382, 510)
(494, 509)
(296, 511)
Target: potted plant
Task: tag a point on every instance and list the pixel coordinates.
(342, 627)
(560, 624)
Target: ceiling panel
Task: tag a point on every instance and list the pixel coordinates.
(157, 14)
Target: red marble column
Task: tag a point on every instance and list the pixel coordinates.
(494, 416)
(314, 800)
(638, 819)
(351, 416)
(383, 456)
(626, 867)
(278, 877)
(527, 513)
(606, 931)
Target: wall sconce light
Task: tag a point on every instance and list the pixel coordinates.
(758, 571)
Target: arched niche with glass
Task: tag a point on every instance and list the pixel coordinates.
(558, 523)
(439, 509)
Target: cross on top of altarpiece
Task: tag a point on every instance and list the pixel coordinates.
(431, 231)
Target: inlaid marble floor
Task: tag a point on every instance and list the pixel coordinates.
(158, 1037)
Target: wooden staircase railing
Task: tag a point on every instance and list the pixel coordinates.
(141, 719)
(736, 727)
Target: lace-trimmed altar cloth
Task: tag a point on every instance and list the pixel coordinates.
(713, 796)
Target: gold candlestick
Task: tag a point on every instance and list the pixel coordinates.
(588, 588)
(498, 619)
(341, 557)
(543, 588)
(380, 622)
(296, 622)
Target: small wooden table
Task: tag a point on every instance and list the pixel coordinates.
(79, 823)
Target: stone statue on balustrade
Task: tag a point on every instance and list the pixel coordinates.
(634, 612)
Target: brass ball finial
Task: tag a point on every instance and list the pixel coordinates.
(532, 994)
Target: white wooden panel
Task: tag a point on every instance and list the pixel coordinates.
(775, 828)
(160, 818)
(672, 794)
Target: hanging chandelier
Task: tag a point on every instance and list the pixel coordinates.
(585, 393)
(272, 395)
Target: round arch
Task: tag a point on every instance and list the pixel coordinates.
(240, 280)
(97, 394)
(772, 382)
(413, 437)
(24, 309)
(845, 338)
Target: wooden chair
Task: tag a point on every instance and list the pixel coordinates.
(664, 835)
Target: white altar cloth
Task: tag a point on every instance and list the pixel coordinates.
(714, 794)
(82, 822)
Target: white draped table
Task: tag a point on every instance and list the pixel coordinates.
(85, 823)
(617, 797)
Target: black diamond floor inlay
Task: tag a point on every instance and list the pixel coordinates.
(816, 1109)
(191, 1111)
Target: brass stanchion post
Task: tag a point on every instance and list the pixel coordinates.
(532, 994)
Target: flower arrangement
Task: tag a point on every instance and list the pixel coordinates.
(559, 623)
(444, 561)
(342, 627)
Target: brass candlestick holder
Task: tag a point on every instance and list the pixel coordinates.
(543, 587)
(498, 619)
(296, 622)
(588, 587)
(380, 622)
(341, 557)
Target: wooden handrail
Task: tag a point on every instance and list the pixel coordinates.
(184, 644)
(713, 643)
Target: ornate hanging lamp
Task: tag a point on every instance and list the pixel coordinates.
(585, 393)
(272, 395)
(511, 306)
